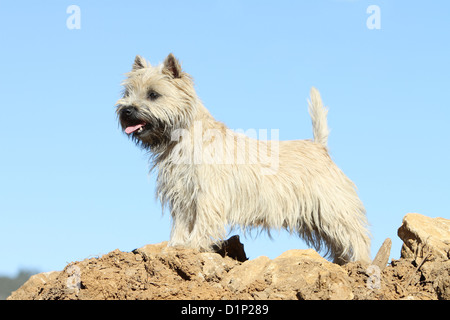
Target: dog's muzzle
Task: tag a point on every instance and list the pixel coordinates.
(130, 122)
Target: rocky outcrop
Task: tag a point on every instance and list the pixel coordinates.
(295, 274)
(382, 258)
(427, 241)
(423, 236)
(161, 272)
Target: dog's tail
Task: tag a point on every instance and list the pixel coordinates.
(318, 115)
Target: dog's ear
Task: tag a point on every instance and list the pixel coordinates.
(139, 63)
(172, 67)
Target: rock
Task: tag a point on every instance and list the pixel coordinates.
(422, 235)
(214, 267)
(441, 283)
(248, 275)
(159, 272)
(305, 275)
(33, 286)
(188, 263)
(295, 274)
(232, 248)
(151, 249)
(382, 257)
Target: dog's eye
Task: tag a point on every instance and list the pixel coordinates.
(152, 95)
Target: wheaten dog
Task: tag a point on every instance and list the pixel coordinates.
(212, 178)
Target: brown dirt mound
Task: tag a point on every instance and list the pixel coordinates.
(161, 272)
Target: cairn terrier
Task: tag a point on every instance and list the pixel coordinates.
(212, 178)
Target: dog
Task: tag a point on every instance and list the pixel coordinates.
(211, 177)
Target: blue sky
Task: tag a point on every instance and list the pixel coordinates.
(72, 185)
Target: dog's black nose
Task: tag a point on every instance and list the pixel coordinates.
(127, 111)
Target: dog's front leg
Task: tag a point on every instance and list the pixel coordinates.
(179, 234)
(208, 223)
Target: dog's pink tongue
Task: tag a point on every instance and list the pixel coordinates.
(132, 129)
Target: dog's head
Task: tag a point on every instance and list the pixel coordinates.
(156, 101)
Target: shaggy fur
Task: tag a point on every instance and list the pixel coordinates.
(211, 177)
